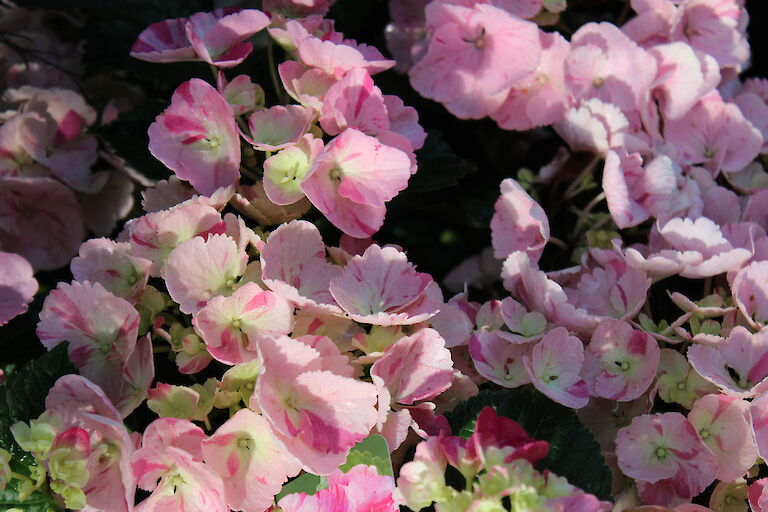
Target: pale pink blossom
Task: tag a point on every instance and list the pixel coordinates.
(713, 134)
(752, 100)
(540, 98)
(305, 85)
(683, 77)
(758, 410)
(197, 137)
(750, 292)
(698, 246)
(498, 359)
(738, 365)
(604, 63)
(713, 27)
(278, 127)
(354, 101)
(544, 295)
(620, 362)
(297, 8)
(17, 286)
(111, 484)
(316, 414)
(153, 236)
(382, 288)
(337, 58)
(467, 65)
(232, 326)
(655, 447)
(101, 330)
(165, 194)
(554, 365)
(723, 422)
(598, 126)
(352, 178)
(242, 95)
(253, 202)
(415, 368)
(293, 264)
(284, 172)
(169, 464)
(111, 264)
(250, 462)
(198, 270)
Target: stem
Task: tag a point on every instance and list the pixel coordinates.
(575, 185)
(707, 286)
(161, 350)
(558, 243)
(273, 68)
(583, 215)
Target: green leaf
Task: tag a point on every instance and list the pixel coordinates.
(371, 451)
(439, 166)
(573, 451)
(22, 398)
(306, 483)
(35, 502)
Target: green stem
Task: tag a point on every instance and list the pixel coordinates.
(273, 69)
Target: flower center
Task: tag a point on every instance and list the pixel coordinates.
(660, 452)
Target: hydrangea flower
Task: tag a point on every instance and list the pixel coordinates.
(112, 265)
(467, 66)
(197, 137)
(554, 365)
(620, 362)
(232, 326)
(723, 422)
(738, 365)
(352, 178)
(101, 330)
(198, 270)
(316, 414)
(368, 291)
(294, 266)
(250, 462)
(169, 464)
(655, 447)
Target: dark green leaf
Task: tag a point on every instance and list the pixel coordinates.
(439, 166)
(573, 451)
(35, 502)
(23, 396)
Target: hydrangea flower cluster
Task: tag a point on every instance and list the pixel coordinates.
(290, 349)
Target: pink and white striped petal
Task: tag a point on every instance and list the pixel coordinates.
(250, 462)
(554, 365)
(232, 326)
